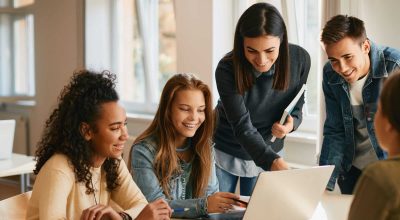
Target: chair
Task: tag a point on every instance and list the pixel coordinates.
(15, 207)
(127, 149)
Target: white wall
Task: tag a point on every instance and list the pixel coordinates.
(203, 36)
(194, 37)
(381, 21)
(58, 52)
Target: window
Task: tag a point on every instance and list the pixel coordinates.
(16, 48)
(137, 41)
(302, 20)
(303, 28)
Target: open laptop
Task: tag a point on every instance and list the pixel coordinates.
(281, 195)
(7, 129)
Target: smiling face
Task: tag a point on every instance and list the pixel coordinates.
(262, 51)
(110, 133)
(187, 113)
(349, 59)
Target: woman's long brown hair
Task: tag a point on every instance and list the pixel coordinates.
(258, 20)
(166, 160)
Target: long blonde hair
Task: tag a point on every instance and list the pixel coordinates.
(166, 160)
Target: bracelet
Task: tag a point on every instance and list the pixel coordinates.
(125, 216)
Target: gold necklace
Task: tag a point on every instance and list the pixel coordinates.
(94, 188)
(94, 192)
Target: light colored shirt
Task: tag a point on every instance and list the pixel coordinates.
(355, 90)
(57, 195)
(235, 165)
(364, 152)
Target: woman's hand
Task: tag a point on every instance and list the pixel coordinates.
(100, 212)
(280, 131)
(279, 164)
(157, 210)
(221, 201)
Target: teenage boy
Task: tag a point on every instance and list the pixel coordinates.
(351, 85)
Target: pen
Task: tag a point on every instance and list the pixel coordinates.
(180, 209)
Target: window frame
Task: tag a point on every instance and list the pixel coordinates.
(9, 76)
(148, 25)
(309, 119)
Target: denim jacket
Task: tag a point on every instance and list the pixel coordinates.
(142, 170)
(338, 147)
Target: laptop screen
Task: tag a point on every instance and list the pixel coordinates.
(288, 194)
(7, 130)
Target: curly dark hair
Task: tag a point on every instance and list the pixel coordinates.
(80, 101)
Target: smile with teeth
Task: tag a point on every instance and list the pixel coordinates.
(349, 73)
(262, 64)
(119, 146)
(190, 126)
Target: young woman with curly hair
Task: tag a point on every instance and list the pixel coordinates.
(173, 158)
(79, 167)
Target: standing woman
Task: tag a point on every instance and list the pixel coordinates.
(256, 81)
(79, 167)
(173, 158)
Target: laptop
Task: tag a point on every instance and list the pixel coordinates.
(282, 195)
(7, 130)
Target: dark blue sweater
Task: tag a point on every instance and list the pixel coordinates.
(245, 121)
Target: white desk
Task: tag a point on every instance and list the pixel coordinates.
(333, 207)
(19, 164)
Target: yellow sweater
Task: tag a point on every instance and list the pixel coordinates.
(57, 195)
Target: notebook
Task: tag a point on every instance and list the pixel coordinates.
(290, 107)
(282, 195)
(7, 129)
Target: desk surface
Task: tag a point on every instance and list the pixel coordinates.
(18, 164)
(333, 207)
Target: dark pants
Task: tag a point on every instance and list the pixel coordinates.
(348, 180)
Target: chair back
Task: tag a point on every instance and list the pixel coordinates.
(15, 207)
(127, 149)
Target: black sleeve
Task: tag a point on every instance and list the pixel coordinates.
(239, 118)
